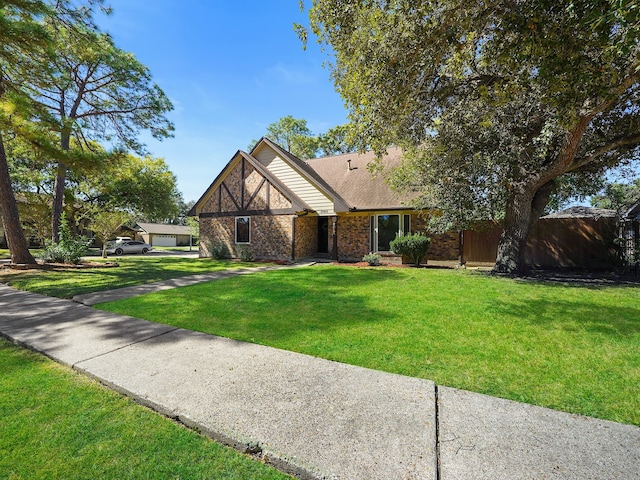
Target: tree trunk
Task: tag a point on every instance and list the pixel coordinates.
(523, 210)
(517, 223)
(57, 201)
(10, 218)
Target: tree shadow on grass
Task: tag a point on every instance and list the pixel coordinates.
(586, 312)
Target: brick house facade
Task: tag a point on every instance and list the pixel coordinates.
(282, 208)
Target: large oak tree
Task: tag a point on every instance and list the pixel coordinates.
(497, 103)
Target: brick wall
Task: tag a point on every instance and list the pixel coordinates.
(271, 236)
(216, 230)
(306, 236)
(444, 246)
(353, 236)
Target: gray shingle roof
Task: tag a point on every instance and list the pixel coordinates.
(582, 212)
(348, 176)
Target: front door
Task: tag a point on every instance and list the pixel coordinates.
(323, 234)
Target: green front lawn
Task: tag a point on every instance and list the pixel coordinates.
(65, 283)
(5, 254)
(571, 348)
(55, 423)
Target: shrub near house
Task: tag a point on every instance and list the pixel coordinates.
(413, 246)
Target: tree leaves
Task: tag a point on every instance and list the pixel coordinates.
(493, 102)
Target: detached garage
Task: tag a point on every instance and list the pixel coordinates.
(160, 235)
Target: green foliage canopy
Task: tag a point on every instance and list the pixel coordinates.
(24, 43)
(294, 136)
(618, 196)
(142, 186)
(496, 105)
(92, 91)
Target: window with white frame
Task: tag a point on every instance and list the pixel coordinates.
(243, 229)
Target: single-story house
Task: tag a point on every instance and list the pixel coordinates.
(162, 235)
(281, 207)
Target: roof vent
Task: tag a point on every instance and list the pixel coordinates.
(349, 165)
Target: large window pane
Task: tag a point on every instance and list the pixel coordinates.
(388, 227)
(242, 229)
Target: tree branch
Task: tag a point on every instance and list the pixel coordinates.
(579, 163)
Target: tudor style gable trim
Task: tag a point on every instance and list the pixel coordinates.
(245, 186)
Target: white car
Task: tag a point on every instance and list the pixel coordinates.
(129, 246)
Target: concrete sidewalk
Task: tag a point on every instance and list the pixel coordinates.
(315, 418)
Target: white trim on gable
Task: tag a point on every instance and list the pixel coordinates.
(297, 183)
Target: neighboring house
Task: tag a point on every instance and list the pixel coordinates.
(281, 207)
(161, 235)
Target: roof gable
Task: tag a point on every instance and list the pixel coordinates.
(296, 203)
(326, 185)
(633, 212)
(304, 181)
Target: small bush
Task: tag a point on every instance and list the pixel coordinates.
(63, 253)
(218, 250)
(373, 259)
(414, 246)
(67, 250)
(245, 253)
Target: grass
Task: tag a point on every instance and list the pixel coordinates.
(570, 348)
(65, 283)
(55, 423)
(5, 254)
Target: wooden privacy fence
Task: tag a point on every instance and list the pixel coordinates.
(553, 243)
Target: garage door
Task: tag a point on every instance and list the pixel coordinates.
(163, 241)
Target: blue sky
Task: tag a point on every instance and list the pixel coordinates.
(230, 69)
